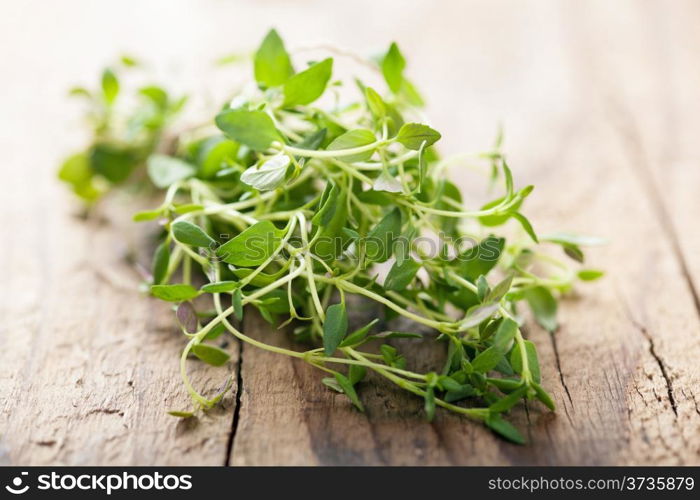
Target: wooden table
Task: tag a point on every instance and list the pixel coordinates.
(601, 105)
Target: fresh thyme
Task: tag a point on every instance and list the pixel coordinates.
(291, 207)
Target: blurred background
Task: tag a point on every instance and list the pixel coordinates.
(538, 68)
(600, 104)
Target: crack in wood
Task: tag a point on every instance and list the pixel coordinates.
(105, 411)
(664, 373)
(652, 350)
(561, 377)
(235, 419)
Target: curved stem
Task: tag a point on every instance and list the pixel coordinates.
(337, 153)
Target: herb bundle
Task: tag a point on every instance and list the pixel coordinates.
(295, 201)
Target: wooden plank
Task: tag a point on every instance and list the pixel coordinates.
(622, 365)
(288, 417)
(89, 366)
(600, 104)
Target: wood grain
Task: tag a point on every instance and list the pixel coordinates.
(89, 365)
(601, 106)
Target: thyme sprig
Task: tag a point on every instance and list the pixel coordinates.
(295, 203)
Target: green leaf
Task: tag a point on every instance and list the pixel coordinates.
(166, 170)
(75, 169)
(403, 244)
(379, 243)
(189, 234)
(275, 301)
(327, 205)
(237, 302)
(385, 182)
(358, 335)
(110, 86)
(506, 403)
(260, 279)
(413, 135)
(504, 428)
(313, 141)
(543, 396)
(174, 293)
(79, 92)
(401, 275)
(571, 243)
(333, 384)
(181, 414)
(349, 390)
(253, 246)
(478, 314)
(482, 287)
(429, 403)
(422, 168)
(220, 287)
(500, 290)
(543, 306)
(77, 172)
(269, 176)
(353, 139)
(574, 252)
(590, 274)
(526, 226)
(398, 335)
(187, 207)
(266, 314)
(573, 239)
(411, 94)
(330, 221)
(487, 360)
(307, 86)
(490, 328)
(393, 65)
(375, 103)
(255, 129)
(128, 61)
(373, 197)
(161, 260)
(218, 397)
(532, 362)
(272, 63)
(504, 368)
(505, 384)
(114, 163)
(215, 154)
(504, 334)
(448, 383)
(156, 95)
(497, 220)
(334, 327)
(147, 215)
(210, 354)
(464, 391)
(356, 373)
(481, 258)
(215, 332)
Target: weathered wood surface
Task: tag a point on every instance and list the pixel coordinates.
(601, 105)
